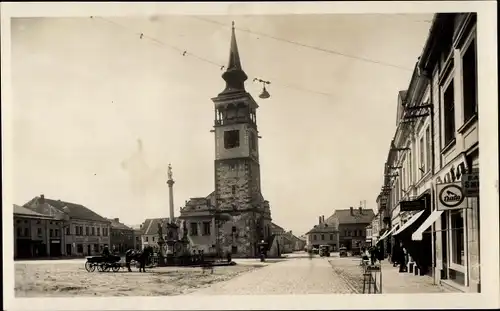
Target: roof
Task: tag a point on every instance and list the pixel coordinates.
(73, 210)
(26, 212)
(276, 227)
(344, 216)
(323, 228)
(150, 225)
(115, 224)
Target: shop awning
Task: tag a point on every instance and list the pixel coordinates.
(387, 233)
(417, 235)
(409, 222)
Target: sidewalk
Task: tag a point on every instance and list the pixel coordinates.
(394, 282)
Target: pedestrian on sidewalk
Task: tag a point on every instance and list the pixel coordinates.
(402, 258)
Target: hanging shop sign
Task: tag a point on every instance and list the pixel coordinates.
(450, 196)
(470, 183)
(412, 205)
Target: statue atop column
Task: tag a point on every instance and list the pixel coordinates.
(169, 172)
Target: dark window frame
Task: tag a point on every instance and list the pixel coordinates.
(449, 128)
(231, 139)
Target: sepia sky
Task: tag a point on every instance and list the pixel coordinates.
(99, 112)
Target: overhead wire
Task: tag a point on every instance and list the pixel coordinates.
(321, 49)
(183, 52)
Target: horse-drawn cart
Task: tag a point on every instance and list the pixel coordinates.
(103, 263)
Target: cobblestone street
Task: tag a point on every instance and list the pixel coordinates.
(69, 278)
(297, 275)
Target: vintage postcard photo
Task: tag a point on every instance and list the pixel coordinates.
(249, 155)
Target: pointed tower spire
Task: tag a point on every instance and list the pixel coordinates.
(234, 75)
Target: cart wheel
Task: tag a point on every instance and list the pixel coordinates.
(105, 267)
(116, 268)
(90, 267)
(99, 267)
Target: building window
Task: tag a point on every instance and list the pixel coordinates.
(79, 248)
(87, 231)
(93, 230)
(322, 237)
(68, 232)
(428, 153)
(421, 160)
(153, 239)
(26, 232)
(449, 114)
(98, 231)
(19, 231)
(234, 249)
(39, 231)
(457, 237)
(231, 139)
(314, 237)
(193, 229)
(233, 189)
(146, 239)
(469, 77)
(104, 231)
(206, 228)
(253, 142)
(56, 233)
(331, 237)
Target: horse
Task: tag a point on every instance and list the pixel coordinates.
(139, 256)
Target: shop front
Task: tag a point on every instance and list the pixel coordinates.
(454, 224)
(416, 211)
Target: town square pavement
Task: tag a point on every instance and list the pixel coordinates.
(294, 275)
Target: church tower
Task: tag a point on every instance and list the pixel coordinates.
(237, 169)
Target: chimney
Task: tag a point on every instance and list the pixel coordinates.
(117, 219)
(360, 210)
(42, 198)
(323, 219)
(319, 220)
(352, 211)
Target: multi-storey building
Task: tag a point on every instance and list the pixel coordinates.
(122, 237)
(437, 145)
(352, 225)
(84, 231)
(235, 217)
(36, 235)
(324, 234)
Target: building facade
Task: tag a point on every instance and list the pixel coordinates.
(437, 145)
(234, 218)
(324, 233)
(36, 235)
(352, 225)
(85, 233)
(122, 237)
(149, 235)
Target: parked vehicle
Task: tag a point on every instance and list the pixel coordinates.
(324, 250)
(343, 252)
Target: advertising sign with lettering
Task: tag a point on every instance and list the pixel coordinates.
(470, 184)
(450, 196)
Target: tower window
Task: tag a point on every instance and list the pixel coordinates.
(253, 143)
(231, 139)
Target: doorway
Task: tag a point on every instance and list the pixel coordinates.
(88, 250)
(68, 250)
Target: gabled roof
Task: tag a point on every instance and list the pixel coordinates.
(150, 225)
(26, 212)
(73, 210)
(323, 228)
(275, 227)
(116, 224)
(344, 216)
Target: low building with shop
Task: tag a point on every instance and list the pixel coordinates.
(36, 235)
(352, 225)
(122, 237)
(324, 234)
(85, 233)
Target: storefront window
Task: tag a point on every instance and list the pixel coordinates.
(457, 237)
